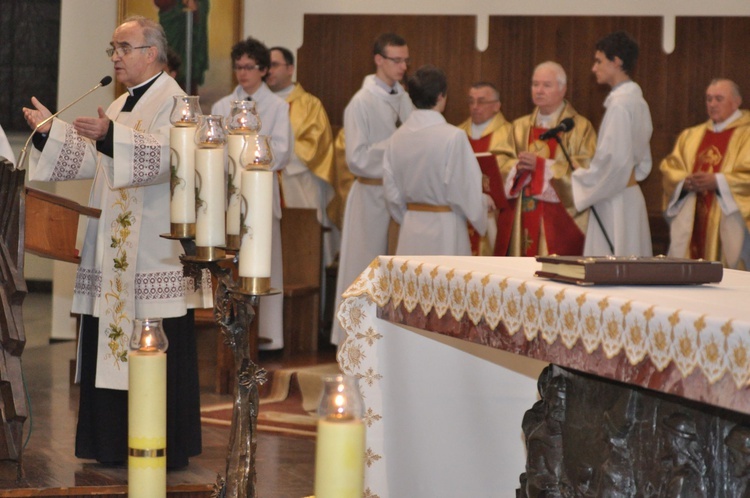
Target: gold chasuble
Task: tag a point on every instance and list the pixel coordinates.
(542, 227)
(700, 149)
(496, 132)
(313, 138)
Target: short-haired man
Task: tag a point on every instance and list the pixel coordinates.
(370, 118)
(705, 183)
(127, 270)
(432, 181)
(251, 61)
(537, 175)
(619, 224)
(307, 180)
(487, 129)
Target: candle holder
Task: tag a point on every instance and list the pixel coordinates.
(234, 311)
(243, 122)
(147, 410)
(210, 235)
(184, 119)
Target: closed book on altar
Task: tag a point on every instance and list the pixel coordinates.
(609, 270)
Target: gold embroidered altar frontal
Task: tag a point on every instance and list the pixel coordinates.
(703, 327)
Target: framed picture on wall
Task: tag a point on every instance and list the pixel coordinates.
(214, 29)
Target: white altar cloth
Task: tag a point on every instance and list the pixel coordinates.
(444, 415)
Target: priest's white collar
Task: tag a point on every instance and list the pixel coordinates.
(719, 127)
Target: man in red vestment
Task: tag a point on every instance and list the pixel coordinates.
(705, 180)
(537, 172)
(486, 128)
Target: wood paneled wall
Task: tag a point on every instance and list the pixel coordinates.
(337, 54)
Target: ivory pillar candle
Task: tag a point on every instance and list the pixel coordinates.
(255, 250)
(182, 204)
(235, 143)
(147, 424)
(209, 171)
(340, 458)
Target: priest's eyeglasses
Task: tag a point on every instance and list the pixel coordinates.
(123, 50)
(397, 60)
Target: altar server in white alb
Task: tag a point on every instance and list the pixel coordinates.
(622, 158)
(432, 181)
(127, 269)
(370, 118)
(251, 60)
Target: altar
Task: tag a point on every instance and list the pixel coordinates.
(448, 351)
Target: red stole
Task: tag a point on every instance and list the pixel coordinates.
(492, 184)
(708, 159)
(562, 235)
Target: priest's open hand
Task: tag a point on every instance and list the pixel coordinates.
(93, 128)
(36, 115)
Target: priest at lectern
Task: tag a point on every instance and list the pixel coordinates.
(127, 270)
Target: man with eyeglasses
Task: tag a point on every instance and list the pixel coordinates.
(307, 181)
(705, 182)
(127, 269)
(487, 128)
(251, 61)
(537, 173)
(370, 118)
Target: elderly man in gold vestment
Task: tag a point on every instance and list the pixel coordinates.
(705, 179)
(537, 173)
(487, 128)
(307, 181)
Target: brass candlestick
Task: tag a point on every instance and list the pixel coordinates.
(234, 312)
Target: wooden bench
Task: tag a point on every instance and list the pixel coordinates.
(301, 243)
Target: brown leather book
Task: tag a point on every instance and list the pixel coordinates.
(611, 270)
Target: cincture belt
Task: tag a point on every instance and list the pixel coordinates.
(432, 208)
(632, 180)
(370, 181)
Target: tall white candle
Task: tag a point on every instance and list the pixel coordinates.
(147, 424)
(182, 204)
(235, 142)
(255, 249)
(340, 458)
(209, 224)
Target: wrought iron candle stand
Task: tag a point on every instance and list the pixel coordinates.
(234, 312)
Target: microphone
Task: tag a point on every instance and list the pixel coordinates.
(566, 124)
(22, 157)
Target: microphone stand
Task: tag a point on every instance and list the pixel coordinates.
(23, 154)
(593, 209)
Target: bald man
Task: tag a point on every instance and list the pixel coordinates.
(705, 177)
(537, 173)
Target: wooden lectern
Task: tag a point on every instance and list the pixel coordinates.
(52, 225)
(43, 224)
